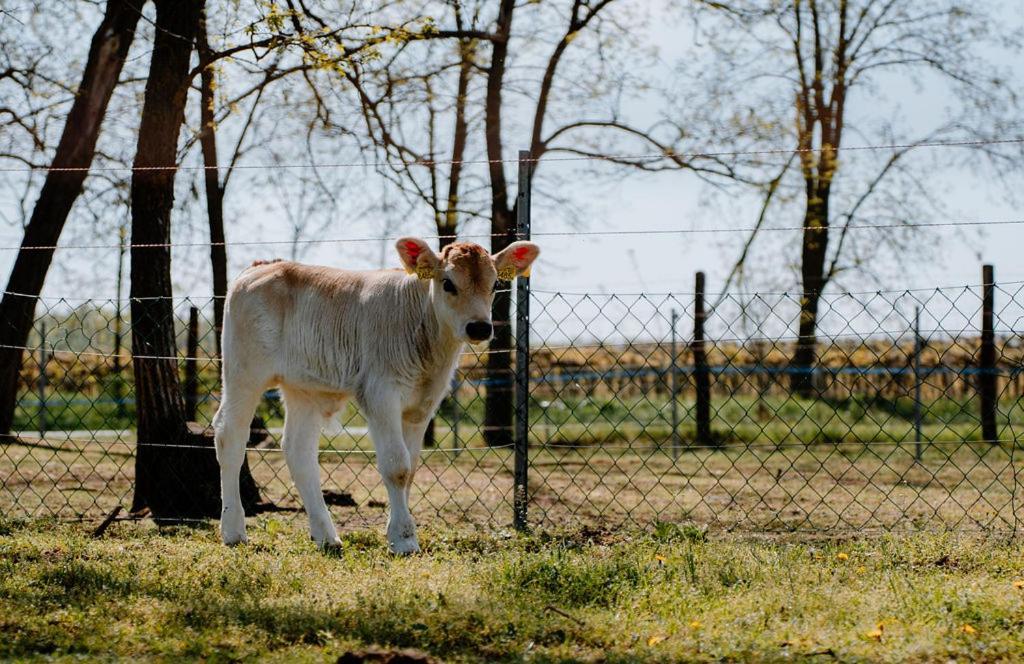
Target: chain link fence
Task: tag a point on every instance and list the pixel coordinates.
(632, 409)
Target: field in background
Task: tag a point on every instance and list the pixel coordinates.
(671, 595)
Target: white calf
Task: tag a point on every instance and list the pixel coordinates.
(323, 335)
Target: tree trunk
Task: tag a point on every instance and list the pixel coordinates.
(176, 472)
(77, 146)
(498, 401)
(448, 226)
(214, 188)
(814, 279)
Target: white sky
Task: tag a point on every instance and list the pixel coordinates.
(603, 264)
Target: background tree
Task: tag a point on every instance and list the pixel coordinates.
(214, 185)
(76, 149)
(446, 96)
(560, 126)
(801, 65)
(176, 472)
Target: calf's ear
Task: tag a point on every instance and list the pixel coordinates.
(417, 257)
(515, 260)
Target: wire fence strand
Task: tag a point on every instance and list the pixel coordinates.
(551, 234)
(668, 154)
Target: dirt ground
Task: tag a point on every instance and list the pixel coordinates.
(845, 487)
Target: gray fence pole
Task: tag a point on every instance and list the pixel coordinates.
(522, 392)
(44, 360)
(456, 415)
(192, 365)
(987, 359)
(701, 373)
(673, 378)
(122, 412)
(917, 383)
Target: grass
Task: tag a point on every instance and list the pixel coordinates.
(736, 418)
(671, 595)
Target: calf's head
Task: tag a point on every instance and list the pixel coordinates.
(463, 279)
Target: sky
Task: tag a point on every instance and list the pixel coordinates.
(595, 263)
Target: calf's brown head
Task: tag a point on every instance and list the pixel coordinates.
(463, 279)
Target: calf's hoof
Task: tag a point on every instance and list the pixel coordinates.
(405, 546)
(232, 527)
(329, 543)
(233, 538)
(322, 531)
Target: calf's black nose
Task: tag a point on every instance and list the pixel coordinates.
(478, 330)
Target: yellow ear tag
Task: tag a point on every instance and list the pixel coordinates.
(507, 273)
(526, 273)
(424, 272)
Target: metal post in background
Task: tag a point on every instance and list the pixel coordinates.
(987, 358)
(522, 392)
(701, 373)
(44, 360)
(192, 365)
(122, 412)
(456, 414)
(673, 378)
(917, 383)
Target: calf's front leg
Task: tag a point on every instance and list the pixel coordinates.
(413, 433)
(384, 417)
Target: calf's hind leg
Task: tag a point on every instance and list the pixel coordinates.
(231, 432)
(302, 424)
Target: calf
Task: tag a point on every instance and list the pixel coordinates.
(391, 339)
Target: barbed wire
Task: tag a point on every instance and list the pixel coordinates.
(203, 298)
(536, 235)
(111, 298)
(666, 154)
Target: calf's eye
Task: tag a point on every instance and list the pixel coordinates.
(448, 286)
(494, 287)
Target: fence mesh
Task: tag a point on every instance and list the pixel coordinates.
(629, 419)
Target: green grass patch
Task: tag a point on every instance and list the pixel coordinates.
(676, 594)
(736, 419)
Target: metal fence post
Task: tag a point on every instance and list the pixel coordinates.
(522, 392)
(456, 414)
(122, 412)
(917, 383)
(987, 358)
(701, 373)
(673, 378)
(41, 382)
(192, 365)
